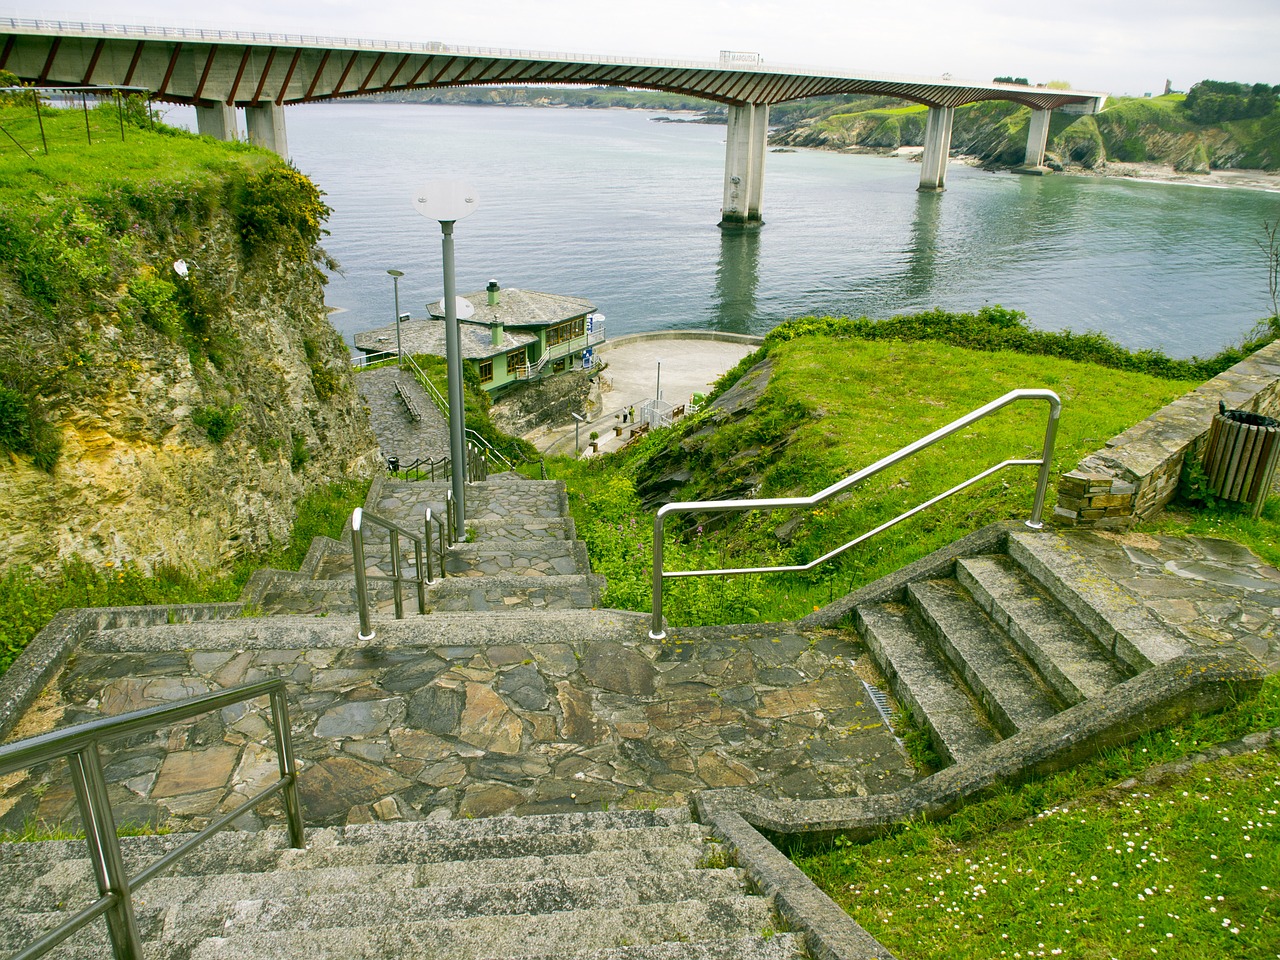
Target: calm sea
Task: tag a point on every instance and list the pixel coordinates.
(613, 206)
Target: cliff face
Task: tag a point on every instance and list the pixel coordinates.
(191, 412)
(1154, 131)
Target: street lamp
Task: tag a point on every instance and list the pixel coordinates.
(448, 201)
(395, 280)
(657, 390)
(578, 421)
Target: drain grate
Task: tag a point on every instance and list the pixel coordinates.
(882, 705)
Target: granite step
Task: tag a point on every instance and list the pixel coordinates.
(405, 501)
(1011, 691)
(1066, 654)
(272, 912)
(769, 945)
(922, 680)
(476, 937)
(1119, 622)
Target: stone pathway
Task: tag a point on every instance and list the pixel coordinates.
(406, 729)
(399, 435)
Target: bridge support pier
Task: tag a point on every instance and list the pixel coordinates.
(744, 152)
(265, 126)
(937, 146)
(217, 120)
(1037, 141)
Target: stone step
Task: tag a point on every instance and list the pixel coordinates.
(376, 903)
(1011, 691)
(407, 502)
(338, 632)
(294, 594)
(553, 558)
(475, 937)
(922, 680)
(524, 529)
(1066, 654)
(1118, 620)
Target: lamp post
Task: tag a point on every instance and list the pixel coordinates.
(449, 201)
(577, 422)
(657, 390)
(395, 280)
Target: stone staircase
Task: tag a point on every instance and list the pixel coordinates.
(521, 553)
(606, 886)
(986, 646)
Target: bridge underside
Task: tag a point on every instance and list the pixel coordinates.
(218, 72)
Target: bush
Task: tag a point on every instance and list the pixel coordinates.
(218, 422)
(279, 207)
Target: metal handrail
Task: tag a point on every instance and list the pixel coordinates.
(421, 549)
(443, 406)
(656, 632)
(79, 745)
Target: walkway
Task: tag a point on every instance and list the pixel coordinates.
(399, 435)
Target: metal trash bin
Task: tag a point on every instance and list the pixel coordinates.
(1241, 455)
(393, 464)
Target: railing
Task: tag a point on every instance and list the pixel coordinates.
(443, 406)
(79, 745)
(593, 336)
(373, 359)
(423, 571)
(656, 631)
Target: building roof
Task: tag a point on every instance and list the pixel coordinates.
(427, 336)
(521, 308)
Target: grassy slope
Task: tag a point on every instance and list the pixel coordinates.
(833, 406)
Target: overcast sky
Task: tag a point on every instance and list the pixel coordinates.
(1116, 46)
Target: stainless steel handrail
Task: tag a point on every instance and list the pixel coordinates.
(421, 549)
(656, 631)
(79, 745)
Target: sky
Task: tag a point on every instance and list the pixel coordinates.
(1114, 46)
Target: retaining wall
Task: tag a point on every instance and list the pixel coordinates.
(1136, 474)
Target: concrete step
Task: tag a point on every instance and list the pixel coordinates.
(338, 631)
(766, 946)
(475, 937)
(1066, 654)
(1011, 691)
(922, 680)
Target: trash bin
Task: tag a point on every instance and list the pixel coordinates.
(393, 464)
(1240, 457)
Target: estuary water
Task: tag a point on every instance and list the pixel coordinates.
(613, 206)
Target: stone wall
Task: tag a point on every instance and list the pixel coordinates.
(1137, 473)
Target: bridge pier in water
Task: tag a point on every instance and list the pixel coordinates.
(744, 150)
(937, 146)
(1037, 142)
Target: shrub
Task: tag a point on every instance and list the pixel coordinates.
(218, 422)
(279, 207)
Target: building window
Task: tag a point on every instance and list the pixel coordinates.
(563, 332)
(486, 371)
(558, 366)
(516, 362)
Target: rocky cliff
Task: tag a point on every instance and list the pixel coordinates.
(165, 412)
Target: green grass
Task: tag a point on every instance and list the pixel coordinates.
(28, 602)
(1087, 863)
(833, 406)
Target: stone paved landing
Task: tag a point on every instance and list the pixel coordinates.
(399, 435)
(547, 717)
(1214, 593)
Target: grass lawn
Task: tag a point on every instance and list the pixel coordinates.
(1096, 862)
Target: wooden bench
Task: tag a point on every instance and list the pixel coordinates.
(410, 404)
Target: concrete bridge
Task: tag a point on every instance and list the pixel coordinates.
(220, 71)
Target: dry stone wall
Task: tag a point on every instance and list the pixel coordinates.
(1136, 474)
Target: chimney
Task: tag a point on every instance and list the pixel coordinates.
(495, 333)
(492, 290)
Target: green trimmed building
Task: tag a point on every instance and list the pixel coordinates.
(506, 335)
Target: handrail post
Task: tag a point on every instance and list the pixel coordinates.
(426, 525)
(655, 627)
(422, 586)
(288, 768)
(366, 631)
(104, 851)
(397, 590)
(1046, 461)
